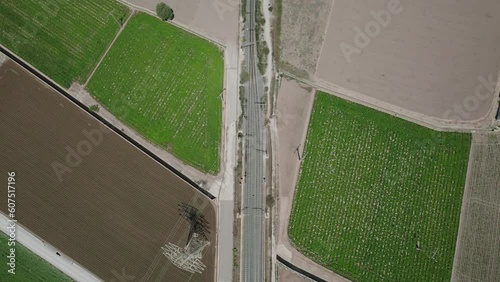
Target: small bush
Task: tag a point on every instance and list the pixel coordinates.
(164, 11)
(94, 108)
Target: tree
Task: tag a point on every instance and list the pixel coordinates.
(164, 11)
(269, 200)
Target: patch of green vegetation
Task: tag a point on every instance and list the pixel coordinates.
(378, 198)
(243, 6)
(29, 266)
(165, 83)
(244, 76)
(63, 39)
(276, 30)
(262, 49)
(94, 108)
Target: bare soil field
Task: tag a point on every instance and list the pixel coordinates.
(477, 256)
(88, 192)
(287, 275)
(217, 20)
(426, 57)
(303, 28)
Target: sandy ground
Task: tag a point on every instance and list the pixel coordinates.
(477, 254)
(303, 27)
(217, 19)
(48, 252)
(287, 275)
(294, 105)
(424, 61)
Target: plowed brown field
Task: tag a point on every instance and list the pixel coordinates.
(113, 208)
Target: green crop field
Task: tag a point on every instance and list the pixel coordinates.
(165, 83)
(378, 198)
(62, 38)
(29, 266)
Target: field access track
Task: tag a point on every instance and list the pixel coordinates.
(478, 248)
(113, 207)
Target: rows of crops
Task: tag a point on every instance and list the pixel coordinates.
(62, 38)
(378, 198)
(29, 266)
(478, 253)
(165, 83)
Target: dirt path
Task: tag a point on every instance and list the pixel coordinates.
(477, 252)
(109, 47)
(294, 105)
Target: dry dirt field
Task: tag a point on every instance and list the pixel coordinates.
(420, 59)
(287, 275)
(115, 206)
(216, 19)
(427, 59)
(303, 27)
(477, 257)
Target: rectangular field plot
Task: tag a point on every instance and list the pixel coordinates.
(62, 38)
(88, 192)
(478, 247)
(436, 58)
(165, 83)
(378, 198)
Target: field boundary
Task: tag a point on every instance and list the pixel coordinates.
(122, 27)
(463, 211)
(284, 246)
(152, 13)
(63, 92)
(437, 124)
(299, 270)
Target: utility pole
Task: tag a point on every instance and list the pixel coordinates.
(298, 152)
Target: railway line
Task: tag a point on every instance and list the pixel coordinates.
(253, 195)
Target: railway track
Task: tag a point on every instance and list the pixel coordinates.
(253, 195)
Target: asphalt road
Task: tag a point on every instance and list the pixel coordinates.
(253, 195)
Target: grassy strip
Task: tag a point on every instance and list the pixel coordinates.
(276, 30)
(63, 39)
(262, 48)
(378, 198)
(29, 266)
(165, 83)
